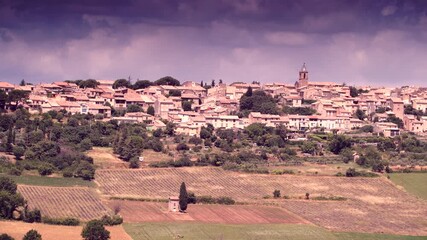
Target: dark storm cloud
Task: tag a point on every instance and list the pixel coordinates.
(241, 40)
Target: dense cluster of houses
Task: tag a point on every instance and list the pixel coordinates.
(219, 104)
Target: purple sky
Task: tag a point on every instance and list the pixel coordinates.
(370, 42)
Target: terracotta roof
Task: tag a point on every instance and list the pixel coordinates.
(6, 85)
(49, 85)
(67, 104)
(106, 82)
(97, 106)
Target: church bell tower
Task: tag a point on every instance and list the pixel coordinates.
(303, 77)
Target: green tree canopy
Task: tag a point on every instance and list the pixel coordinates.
(183, 197)
(168, 80)
(186, 105)
(140, 84)
(10, 200)
(4, 236)
(95, 230)
(119, 83)
(258, 102)
(299, 110)
(133, 108)
(32, 235)
(338, 143)
(150, 110)
(89, 83)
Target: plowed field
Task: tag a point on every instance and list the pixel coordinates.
(371, 205)
(406, 217)
(134, 211)
(52, 232)
(162, 183)
(57, 202)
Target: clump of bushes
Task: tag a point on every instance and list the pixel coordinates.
(134, 162)
(31, 216)
(244, 167)
(45, 169)
(352, 172)
(281, 172)
(111, 220)
(330, 198)
(212, 200)
(182, 162)
(61, 221)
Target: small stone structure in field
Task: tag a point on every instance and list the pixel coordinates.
(173, 205)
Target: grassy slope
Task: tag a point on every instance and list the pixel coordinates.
(412, 182)
(139, 231)
(51, 181)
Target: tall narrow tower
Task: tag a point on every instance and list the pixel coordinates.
(303, 77)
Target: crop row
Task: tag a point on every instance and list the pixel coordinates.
(60, 202)
(216, 182)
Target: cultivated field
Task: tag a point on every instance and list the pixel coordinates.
(136, 211)
(53, 232)
(162, 183)
(187, 230)
(316, 169)
(414, 183)
(152, 156)
(50, 181)
(371, 205)
(58, 202)
(103, 157)
(406, 217)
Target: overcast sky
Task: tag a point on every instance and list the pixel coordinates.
(369, 42)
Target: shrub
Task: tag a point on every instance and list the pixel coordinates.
(4, 236)
(18, 151)
(45, 169)
(160, 164)
(276, 193)
(95, 230)
(158, 132)
(331, 198)
(182, 162)
(367, 129)
(134, 162)
(195, 140)
(205, 199)
(85, 170)
(15, 171)
(182, 147)
(86, 144)
(111, 221)
(67, 173)
(225, 200)
(32, 216)
(192, 198)
(351, 172)
(32, 235)
(61, 221)
(211, 200)
(281, 172)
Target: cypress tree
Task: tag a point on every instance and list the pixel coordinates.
(249, 92)
(183, 197)
(9, 142)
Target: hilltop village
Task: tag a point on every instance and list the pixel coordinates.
(322, 156)
(300, 107)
